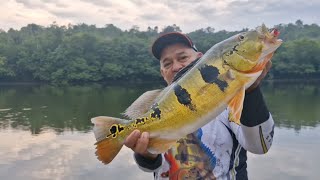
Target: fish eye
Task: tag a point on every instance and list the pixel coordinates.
(241, 37)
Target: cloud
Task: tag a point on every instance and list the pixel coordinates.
(188, 14)
(139, 2)
(31, 4)
(41, 4)
(271, 12)
(103, 3)
(65, 14)
(152, 17)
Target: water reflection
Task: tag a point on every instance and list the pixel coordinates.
(68, 108)
(295, 104)
(293, 156)
(46, 132)
(65, 156)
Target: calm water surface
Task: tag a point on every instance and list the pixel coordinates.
(46, 132)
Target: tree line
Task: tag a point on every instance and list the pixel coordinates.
(85, 53)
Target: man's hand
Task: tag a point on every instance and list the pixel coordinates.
(138, 142)
(261, 77)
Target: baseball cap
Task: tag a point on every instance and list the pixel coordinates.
(170, 38)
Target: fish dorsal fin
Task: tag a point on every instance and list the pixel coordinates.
(235, 106)
(141, 105)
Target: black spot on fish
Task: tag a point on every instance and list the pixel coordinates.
(140, 121)
(210, 75)
(183, 97)
(113, 131)
(234, 48)
(120, 128)
(156, 111)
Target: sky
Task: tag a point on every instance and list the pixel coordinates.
(189, 15)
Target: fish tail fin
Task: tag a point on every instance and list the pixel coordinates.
(106, 131)
(107, 150)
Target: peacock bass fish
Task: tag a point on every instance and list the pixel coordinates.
(217, 81)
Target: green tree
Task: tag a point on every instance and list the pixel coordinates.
(85, 53)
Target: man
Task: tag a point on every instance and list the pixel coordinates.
(217, 150)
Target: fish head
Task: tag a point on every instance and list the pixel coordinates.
(251, 50)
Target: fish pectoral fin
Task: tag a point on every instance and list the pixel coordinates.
(141, 105)
(158, 146)
(235, 106)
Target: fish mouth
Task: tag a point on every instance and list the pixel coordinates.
(270, 42)
(269, 39)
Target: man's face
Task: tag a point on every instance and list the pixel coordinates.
(174, 58)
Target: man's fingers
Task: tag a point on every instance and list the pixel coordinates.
(142, 143)
(132, 139)
(137, 141)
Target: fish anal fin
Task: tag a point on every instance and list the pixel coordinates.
(157, 146)
(141, 105)
(235, 106)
